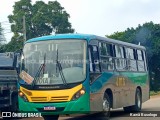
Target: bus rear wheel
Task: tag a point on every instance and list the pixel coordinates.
(51, 117)
(138, 103)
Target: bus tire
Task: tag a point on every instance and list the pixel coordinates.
(138, 103)
(106, 105)
(50, 117)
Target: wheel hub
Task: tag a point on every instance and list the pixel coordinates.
(105, 105)
(138, 101)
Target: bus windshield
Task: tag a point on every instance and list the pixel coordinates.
(46, 61)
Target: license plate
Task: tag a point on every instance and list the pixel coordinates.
(49, 108)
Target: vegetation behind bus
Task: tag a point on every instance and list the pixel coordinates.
(152, 93)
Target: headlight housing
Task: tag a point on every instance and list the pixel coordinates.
(78, 94)
(23, 96)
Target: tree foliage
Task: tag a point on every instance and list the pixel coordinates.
(2, 38)
(41, 19)
(147, 35)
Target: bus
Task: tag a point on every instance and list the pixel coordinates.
(80, 74)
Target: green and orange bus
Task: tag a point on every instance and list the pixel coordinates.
(79, 73)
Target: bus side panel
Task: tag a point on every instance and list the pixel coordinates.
(97, 90)
(96, 100)
(137, 80)
(145, 94)
(123, 87)
(146, 91)
(120, 97)
(121, 91)
(144, 87)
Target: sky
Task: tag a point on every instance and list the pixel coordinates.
(99, 17)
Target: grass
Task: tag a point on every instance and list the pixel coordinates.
(154, 93)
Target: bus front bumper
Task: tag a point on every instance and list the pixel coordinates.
(80, 106)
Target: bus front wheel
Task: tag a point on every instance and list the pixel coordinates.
(106, 105)
(50, 117)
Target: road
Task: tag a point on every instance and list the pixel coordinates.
(150, 107)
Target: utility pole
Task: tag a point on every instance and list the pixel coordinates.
(24, 24)
(24, 28)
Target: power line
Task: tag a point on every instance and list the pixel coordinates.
(7, 32)
(6, 24)
(4, 21)
(6, 29)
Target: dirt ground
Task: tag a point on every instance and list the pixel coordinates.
(155, 96)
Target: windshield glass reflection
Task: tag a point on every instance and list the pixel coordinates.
(71, 56)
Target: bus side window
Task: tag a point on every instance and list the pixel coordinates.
(120, 61)
(106, 54)
(105, 49)
(140, 60)
(131, 56)
(94, 59)
(145, 61)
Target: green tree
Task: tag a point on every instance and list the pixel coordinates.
(147, 35)
(2, 38)
(41, 19)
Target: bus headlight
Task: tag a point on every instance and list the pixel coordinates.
(78, 94)
(22, 95)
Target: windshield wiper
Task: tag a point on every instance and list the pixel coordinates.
(58, 64)
(41, 67)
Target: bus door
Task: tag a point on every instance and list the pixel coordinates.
(95, 73)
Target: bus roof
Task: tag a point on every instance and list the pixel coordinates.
(87, 37)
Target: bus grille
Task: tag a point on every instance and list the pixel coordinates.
(59, 98)
(52, 99)
(39, 99)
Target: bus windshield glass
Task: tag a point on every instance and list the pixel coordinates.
(46, 61)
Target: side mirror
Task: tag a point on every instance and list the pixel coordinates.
(16, 60)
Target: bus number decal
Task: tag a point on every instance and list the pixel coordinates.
(120, 81)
